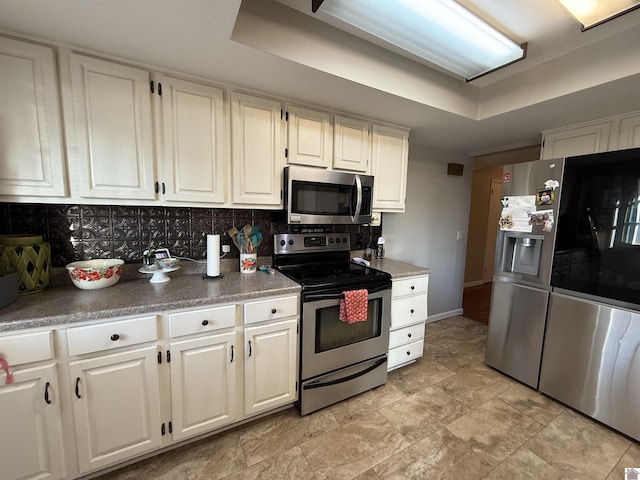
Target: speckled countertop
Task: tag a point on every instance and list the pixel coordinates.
(398, 269)
(63, 303)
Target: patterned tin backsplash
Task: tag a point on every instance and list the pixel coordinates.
(82, 232)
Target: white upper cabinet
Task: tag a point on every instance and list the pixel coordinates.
(193, 136)
(578, 140)
(310, 137)
(351, 144)
(257, 155)
(110, 135)
(389, 158)
(31, 155)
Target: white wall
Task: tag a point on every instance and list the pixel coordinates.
(437, 208)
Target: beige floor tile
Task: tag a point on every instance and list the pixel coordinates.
(457, 333)
(288, 465)
(532, 403)
(440, 455)
(455, 356)
(475, 385)
(368, 475)
(418, 376)
(494, 430)
(422, 413)
(365, 403)
(578, 447)
(353, 449)
(631, 459)
(524, 465)
(208, 459)
(274, 435)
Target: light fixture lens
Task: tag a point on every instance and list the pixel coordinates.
(592, 12)
(439, 31)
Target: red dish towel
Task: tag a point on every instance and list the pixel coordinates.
(353, 307)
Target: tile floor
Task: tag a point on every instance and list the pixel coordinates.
(446, 416)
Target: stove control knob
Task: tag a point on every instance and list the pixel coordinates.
(344, 240)
(282, 243)
(337, 240)
(290, 242)
(331, 240)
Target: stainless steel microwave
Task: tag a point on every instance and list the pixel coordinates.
(317, 197)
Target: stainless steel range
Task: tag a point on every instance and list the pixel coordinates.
(337, 360)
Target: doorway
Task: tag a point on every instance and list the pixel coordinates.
(484, 212)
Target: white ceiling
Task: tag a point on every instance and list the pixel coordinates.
(264, 45)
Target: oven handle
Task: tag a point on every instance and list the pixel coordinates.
(348, 378)
(310, 297)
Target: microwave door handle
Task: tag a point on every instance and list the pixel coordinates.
(358, 187)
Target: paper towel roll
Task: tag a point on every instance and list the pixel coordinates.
(213, 255)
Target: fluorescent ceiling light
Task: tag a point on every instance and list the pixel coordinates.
(594, 12)
(438, 31)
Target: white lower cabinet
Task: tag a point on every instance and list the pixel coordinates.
(204, 368)
(408, 314)
(203, 384)
(115, 396)
(31, 446)
(270, 372)
(270, 353)
(130, 390)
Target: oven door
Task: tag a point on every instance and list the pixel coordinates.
(329, 344)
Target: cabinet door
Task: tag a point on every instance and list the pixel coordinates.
(193, 141)
(310, 137)
(31, 158)
(351, 144)
(110, 142)
(576, 141)
(203, 384)
(629, 133)
(116, 407)
(270, 366)
(31, 447)
(389, 157)
(257, 153)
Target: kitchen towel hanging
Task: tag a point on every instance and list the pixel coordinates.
(353, 306)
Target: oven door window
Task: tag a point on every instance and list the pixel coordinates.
(321, 198)
(331, 332)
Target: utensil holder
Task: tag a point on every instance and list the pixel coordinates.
(248, 262)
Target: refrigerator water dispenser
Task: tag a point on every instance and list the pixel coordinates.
(521, 254)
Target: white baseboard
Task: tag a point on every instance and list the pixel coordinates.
(475, 283)
(441, 316)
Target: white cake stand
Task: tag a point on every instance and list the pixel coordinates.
(159, 275)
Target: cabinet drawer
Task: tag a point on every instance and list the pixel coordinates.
(105, 336)
(404, 354)
(27, 347)
(408, 310)
(410, 286)
(406, 335)
(202, 320)
(270, 309)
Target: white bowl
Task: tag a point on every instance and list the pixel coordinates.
(94, 274)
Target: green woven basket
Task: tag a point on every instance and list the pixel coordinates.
(30, 256)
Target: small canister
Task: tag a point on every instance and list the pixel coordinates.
(380, 248)
(30, 256)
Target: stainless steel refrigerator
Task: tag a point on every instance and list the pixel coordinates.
(524, 254)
